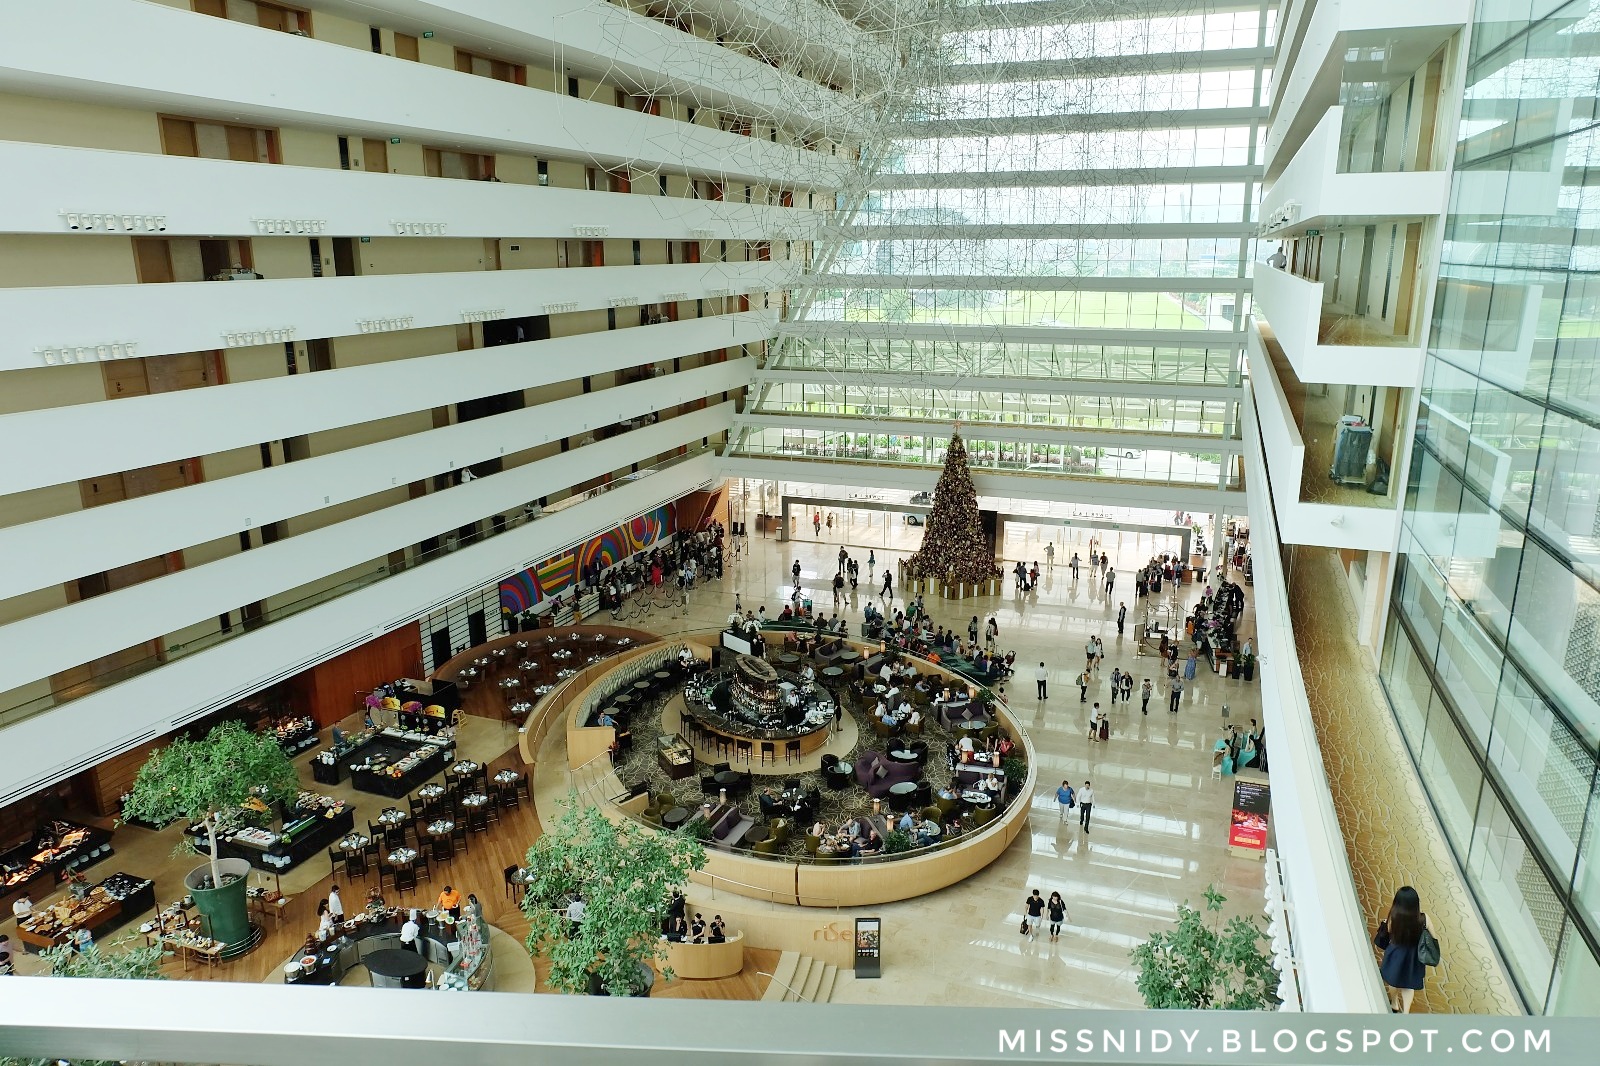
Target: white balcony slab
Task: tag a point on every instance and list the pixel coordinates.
(65, 547)
(223, 198)
(1293, 306)
(91, 439)
(1327, 199)
(1323, 524)
(45, 644)
(304, 83)
(57, 743)
(74, 323)
(1005, 431)
(1377, 41)
(591, 38)
(1106, 492)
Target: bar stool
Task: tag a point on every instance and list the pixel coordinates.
(742, 750)
(769, 750)
(791, 751)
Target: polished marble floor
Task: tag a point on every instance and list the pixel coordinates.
(1159, 834)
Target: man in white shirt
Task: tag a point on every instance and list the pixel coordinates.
(1085, 805)
(335, 904)
(22, 909)
(1040, 676)
(964, 745)
(409, 933)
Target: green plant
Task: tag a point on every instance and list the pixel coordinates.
(1016, 770)
(986, 696)
(897, 840)
(131, 961)
(1200, 966)
(625, 874)
(201, 779)
(696, 827)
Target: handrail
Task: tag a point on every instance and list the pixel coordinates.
(797, 995)
(770, 891)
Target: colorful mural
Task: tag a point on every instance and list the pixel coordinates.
(560, 572)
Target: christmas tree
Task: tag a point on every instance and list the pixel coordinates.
(954, 547)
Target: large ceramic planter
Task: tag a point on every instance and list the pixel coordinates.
(227, 917)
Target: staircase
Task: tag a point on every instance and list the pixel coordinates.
(813, 980)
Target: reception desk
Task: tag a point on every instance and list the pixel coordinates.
(705, 962)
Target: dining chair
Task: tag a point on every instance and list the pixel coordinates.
(386, 874)
(458, 835)
(355, 864)
(491, 810)
(405, 879)
(440, 850)
(336, 859)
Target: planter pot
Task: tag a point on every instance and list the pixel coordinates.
(224, 907)
(646, 974)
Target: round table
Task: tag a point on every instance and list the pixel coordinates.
(392, 817)
(641, 687)
(902, 755)
(788, 658)
(977, 725)
(849, 656)
(832, 672)
(727, 778)
(354, 842)
(474, 799)
(505, 777)
(675, 817)
(463, 768)
(402, 857)
(663, 676)
(623, 700)
(396, 968)
(443, 827)
(900, 794)
(430, 791)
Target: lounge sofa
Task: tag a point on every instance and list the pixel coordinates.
(868, 765)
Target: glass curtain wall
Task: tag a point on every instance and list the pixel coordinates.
(1492, 655)
(1060, 240)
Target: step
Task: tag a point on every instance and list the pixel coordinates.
(802, 972)
(785, 974)
(808, 991)
(830, 973)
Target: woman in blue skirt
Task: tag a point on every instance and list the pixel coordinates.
(1398, 936)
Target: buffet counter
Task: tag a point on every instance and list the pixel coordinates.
(110, 904)
(459, 952)
(394, 763)
(704, 962)
(36, 865)
(306, 834)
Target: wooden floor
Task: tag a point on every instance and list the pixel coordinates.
(478, 871)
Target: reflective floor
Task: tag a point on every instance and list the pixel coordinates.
(1159, 832)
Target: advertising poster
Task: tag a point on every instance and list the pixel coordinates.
(1252, 799)
(869, 938)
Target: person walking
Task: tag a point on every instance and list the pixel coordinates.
(1099, 655)
(1089, 653)
(1057, 908)
(795, 570)
(335, 904)
(1085, 805)
(1407, 944)
(838, 589)
(1034, 906)
(991, 634)
(843, 555)
(888, 586)
(1111, 580)
(1064, 799)
(1083, 686)
(1116, 684)
(1105, 562)
(872, 560)
(1177, 694)
(1127, 686)
(972, 630)
(1122, 616)
(1040, 677)
(1146, 690)
(1050, 555)
(816, 524)
(1095, 715)
(1074, 565)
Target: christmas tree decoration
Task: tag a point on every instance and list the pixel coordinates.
(954, 548)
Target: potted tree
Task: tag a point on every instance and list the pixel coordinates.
(625, 875)
(1196, 966)
(200, 780)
